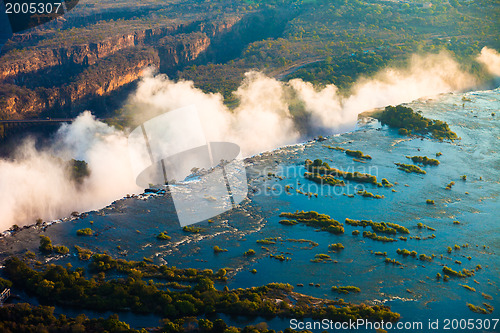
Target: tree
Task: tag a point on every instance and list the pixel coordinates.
(45, 244)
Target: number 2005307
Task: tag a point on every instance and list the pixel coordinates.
(468, 324)
(32, 8)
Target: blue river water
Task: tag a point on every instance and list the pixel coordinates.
(127, 228)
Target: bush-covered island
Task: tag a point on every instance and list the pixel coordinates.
(315, 219)
(320, 170)
(410, 122)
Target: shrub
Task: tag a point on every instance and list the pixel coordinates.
(346, 289)
(409, 168)
(192, 229)
(288, 222)
(163, 236)
(61, 249)
(337, 246)
(85, 232)
(250, 252)
(218, 249)
(45, 244)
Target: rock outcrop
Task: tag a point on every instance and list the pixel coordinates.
(29, 82)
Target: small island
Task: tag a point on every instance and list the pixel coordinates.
(384, 227)
(409, 168)
(163, 236)
(357, 154)
(315, 219)
(322, 168)
(85, 232)
(346, 289)
(410, 122)
(423, 160)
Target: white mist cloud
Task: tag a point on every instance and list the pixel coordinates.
(262, 121)
(425, 76)
(34, 184)
(491, 59)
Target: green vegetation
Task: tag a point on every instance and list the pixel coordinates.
(420, 225)
(327, 179)
(321, 257)
(392, 261)
(191, 229)
(249, 253)
(486, 296)
(83, 254)
(61, 249)
(424, 257)
(64, 286)
(355, 232)
(45, 245)
(468, 287)
(311, 243)
(79, 170)
(85, 232)
(386, 183)
(314, 219)
(267, 241)
(449, 186)
(367, 194)
(430, 202)
(346, 289)
(423, 160)
(405, 253)
(218, 249)
(335, 148)
(409, 122)
(24, 317)
(478, 309)
(280, 257)
(464, 273)
(357, 154)
(336, 247)
(384, 227)
(163, 236)
(323, 169)
(288, 222)
(409, 168)
(374, 236)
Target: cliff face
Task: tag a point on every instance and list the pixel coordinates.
(15, 64)
(179, 50)
(36, 81)
(100, 80)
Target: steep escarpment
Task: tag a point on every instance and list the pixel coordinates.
(63, 81)
(98, 80)
(17, 65)
(177, 51)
